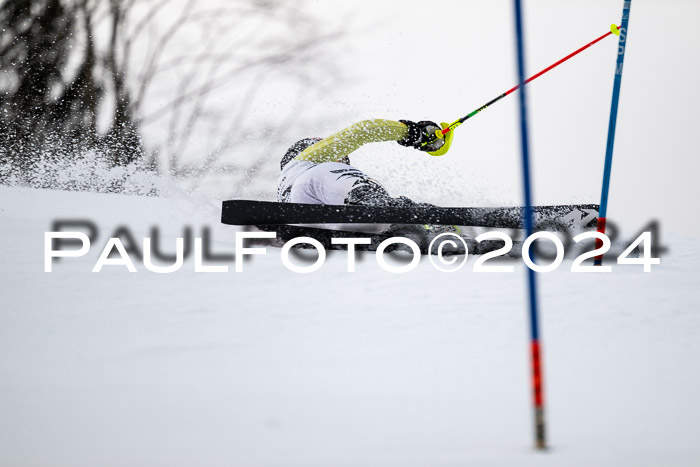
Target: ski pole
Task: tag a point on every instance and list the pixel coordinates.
(614, 29)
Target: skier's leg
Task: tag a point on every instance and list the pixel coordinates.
(369, 192)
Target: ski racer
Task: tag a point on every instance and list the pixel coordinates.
(318, 170)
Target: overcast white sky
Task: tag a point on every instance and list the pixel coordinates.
(442, 59)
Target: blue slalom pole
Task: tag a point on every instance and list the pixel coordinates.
(622, 32)
(535, 354)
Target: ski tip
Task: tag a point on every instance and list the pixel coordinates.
(614, 29)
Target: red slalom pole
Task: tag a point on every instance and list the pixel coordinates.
(440, 133)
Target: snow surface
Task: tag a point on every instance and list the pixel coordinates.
(268, 367)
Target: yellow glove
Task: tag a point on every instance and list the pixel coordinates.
(448, 140)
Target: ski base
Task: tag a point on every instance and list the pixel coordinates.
(418, 234)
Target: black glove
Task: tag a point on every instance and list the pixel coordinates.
(422, 132)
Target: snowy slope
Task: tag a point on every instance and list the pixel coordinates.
(268, 367)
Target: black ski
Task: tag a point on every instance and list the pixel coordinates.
(249, 212)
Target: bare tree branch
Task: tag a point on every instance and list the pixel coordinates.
(148, 74)
(214, 84)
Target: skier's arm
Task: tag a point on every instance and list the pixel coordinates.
(342, 143)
